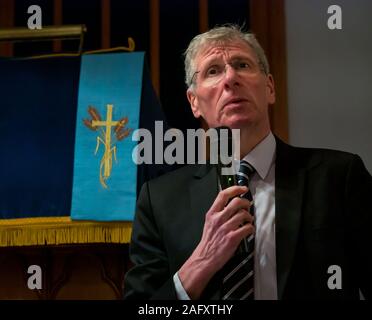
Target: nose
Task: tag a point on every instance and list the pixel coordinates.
(230, 78)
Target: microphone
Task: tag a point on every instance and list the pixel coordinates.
(223, 146)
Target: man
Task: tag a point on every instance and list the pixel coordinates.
(311, 218)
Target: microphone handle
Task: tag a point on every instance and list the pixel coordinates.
(228, 181)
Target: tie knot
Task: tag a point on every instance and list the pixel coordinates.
(246, 168)
(245, 173)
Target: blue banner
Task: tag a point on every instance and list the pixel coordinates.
(104, 175)
(42, 131)
(37, 133)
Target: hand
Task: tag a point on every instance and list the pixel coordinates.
(226, 225)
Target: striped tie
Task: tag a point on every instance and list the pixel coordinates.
(238, 272)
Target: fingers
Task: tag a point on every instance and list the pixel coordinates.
(235, 205)
(242, 217)
(234, 231)
(238, 223)
(217, 218)
(225, 195)
(231, 210)
(236, 236)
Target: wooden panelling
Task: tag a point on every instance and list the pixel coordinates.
(57, 21)
(154, 45)
(106, 24)
(110, 22)
(6, 21)
(268, 23)
(14, 276)
(222, 12)
(68, 272)
(203, 16)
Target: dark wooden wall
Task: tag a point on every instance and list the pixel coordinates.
(94, 271)
(162, 28)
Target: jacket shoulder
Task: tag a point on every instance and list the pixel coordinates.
(310, 157)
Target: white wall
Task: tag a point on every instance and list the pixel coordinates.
(330, 76)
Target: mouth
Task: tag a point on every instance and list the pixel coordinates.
(234, 102)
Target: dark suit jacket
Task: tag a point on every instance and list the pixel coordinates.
(323, 217)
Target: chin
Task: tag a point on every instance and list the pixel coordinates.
(237, 123)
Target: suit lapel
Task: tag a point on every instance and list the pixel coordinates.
(203, 191)
(289, 186)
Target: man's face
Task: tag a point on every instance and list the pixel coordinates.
(234, 95)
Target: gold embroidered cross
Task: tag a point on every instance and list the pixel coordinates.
(105, 138)
(107, 157)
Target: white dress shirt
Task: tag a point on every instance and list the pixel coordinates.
(262, 186)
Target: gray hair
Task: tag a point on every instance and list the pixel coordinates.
(224, 34)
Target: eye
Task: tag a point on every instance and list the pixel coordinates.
(243, 65)
(213, 71)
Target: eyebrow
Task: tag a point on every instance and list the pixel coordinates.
(214, 60)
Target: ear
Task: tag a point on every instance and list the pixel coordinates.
(270, 89)
(193, 100)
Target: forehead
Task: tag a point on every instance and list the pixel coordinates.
(211, 51)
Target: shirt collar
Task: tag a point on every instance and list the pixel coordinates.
(262, 155)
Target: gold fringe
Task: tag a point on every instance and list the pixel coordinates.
(61, 230)
(130, 48)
